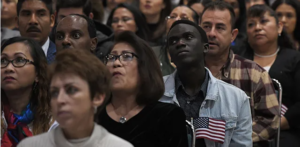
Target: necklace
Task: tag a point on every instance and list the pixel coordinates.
(123, 119)
(266, 56)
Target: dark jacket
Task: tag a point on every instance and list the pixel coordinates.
(105, 38)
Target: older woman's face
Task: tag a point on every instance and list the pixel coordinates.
(21, 77)
(123, 20)
(125, 75)
(179, 13)
(151, 7)
(263, 30)
(287, 15)
(71, 101)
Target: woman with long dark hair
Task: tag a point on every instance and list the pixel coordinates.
(134, 113)
(125, 17)
(155, 12)
(270, 47)
(24, 91)
(288, 12)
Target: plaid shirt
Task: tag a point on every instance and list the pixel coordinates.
(257, 84)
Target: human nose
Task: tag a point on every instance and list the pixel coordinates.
(9, 67)
(66, 42)
(61, 98)
(33, 20)
(211, 33)
(258, 26)
(283, 19)
(117, 62)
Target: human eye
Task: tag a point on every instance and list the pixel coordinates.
(71, 90)
(110, 58)
(59, 36)
(20, 60)
(76, 35)
(127, 56)
(54, 93)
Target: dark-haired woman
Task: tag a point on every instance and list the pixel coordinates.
(24, 91)
(125, 17)
(270, 47)
(156, 12)
(134, 112)
(288, 12)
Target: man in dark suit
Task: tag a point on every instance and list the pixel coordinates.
(35, 20)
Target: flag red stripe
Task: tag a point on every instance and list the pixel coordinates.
(211, 138)
(211, 131)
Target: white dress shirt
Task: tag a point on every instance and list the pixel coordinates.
(46, 46)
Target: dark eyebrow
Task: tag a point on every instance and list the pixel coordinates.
(76, 30)
(17, 53)
(59, 32)
(27, 11)
(41, 10)
(207, 23)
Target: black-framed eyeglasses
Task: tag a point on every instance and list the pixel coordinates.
(123, 58)
(17, 62)
(175, 17)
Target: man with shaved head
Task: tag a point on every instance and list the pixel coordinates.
(76, 32)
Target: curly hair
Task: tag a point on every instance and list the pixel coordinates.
(40, 98)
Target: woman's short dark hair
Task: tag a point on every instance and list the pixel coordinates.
(296, 5)
(151, 86)
(139, 18)
(284, 41)
(203, 2)
(40, 97)
(85, 65)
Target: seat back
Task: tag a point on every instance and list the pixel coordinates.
(190, 133)
(278, 90)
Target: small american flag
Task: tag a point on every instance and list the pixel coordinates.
(210, 129)
(283, 109)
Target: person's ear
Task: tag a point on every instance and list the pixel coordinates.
(98, 100)
(94, 43)
(163, 6)
(234, 33)
(206, 47)
(280, 28)
(91, 16)
(52, 20)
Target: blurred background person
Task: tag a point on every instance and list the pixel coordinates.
(155, 12)
(84, 7)
(271, 48)
(240, 23)
(76, 32)
(126, 17)
(109, 6)
(198, 5)
(97, 10)
(24, 91)
(35, 20)
(134, 113)
(288, 12)
(79, 86)
(9, 19)
(250, 3)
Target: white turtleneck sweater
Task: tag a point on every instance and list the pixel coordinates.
(55, 138)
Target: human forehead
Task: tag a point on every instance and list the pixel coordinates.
(180, 29)
(182, 10)
(217, 16)
(34, 5)
(72, 21)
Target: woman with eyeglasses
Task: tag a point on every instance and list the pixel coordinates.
(125, 17)
(24, 91)
(134, 113)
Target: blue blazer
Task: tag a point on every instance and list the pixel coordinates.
(51, 52)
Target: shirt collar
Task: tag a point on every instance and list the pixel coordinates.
(45, 47)
(226, 68)
(203, 87)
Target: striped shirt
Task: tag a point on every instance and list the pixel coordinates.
(257, 84)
